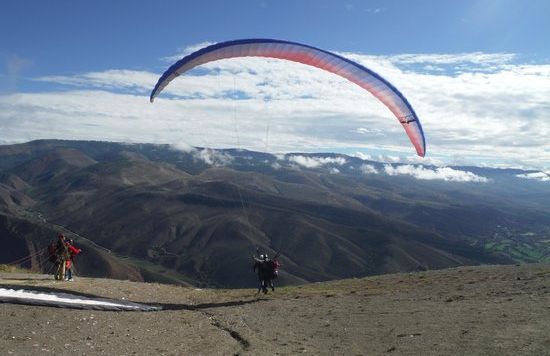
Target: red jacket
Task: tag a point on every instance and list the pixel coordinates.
(73, 251)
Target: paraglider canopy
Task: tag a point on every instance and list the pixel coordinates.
(297, 52)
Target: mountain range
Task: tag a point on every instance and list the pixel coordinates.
(197, 215)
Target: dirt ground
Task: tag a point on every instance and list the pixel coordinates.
(483, 310)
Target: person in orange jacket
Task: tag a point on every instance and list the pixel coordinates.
(73, 251)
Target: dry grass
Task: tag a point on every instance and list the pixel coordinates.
(12, 269)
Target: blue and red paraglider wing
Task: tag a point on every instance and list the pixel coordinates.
(296, 52)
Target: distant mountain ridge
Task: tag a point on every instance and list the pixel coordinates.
(152, 212)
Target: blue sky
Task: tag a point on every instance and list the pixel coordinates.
(61, 37)
(81, 69)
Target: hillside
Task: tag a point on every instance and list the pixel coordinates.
(155, 213)
(482, 310)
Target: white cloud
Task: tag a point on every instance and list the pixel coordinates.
(489, 109)
(540, 176)
(183, 147)
(363, 156)
(374, 10)
(315, 162)
(410, 159)
(136, 81)
(213, 157)
(207, 155)
(427, 161)
(372, 131)
(478, 58)
(182, 52)
(334, 170)
(388, 158)
(441, 173)
(368, 169)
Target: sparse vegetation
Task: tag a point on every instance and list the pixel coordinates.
(12, 269)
